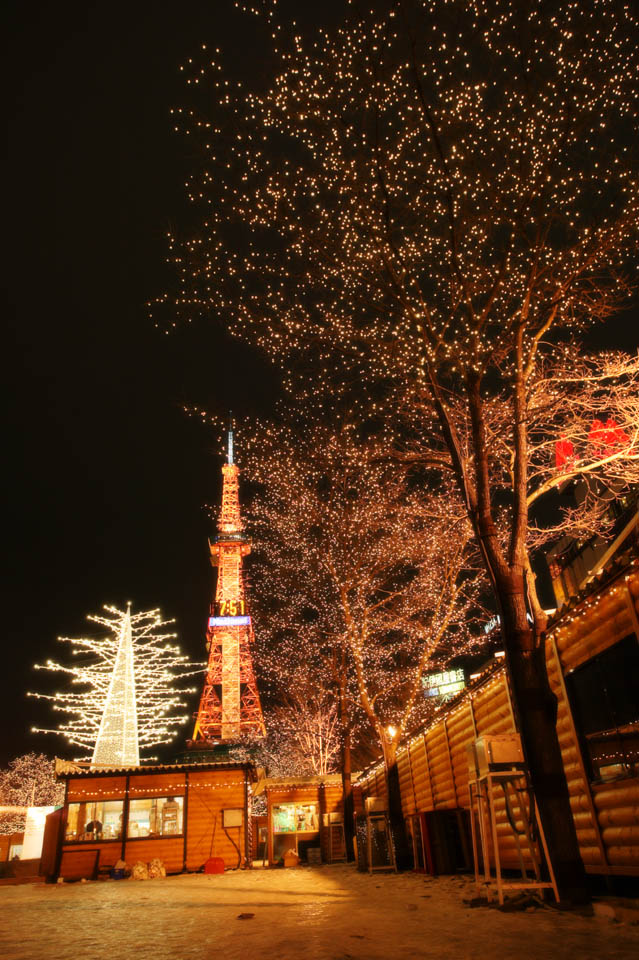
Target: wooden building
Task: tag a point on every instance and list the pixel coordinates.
(592, 653)
(304, 813)
(182, 814)
(10, 846)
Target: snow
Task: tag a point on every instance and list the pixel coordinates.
(322, 913)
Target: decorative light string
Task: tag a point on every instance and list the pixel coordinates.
(129, 682)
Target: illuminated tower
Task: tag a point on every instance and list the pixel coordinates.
(230, 704)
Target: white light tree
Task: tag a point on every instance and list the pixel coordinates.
(127, 697)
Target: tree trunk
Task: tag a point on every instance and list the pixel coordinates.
(347, 786)
(535, 708)
(403, 853)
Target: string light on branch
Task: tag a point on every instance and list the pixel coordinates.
(129, 687)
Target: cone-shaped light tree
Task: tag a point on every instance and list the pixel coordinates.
(117, 742)
(128, 684)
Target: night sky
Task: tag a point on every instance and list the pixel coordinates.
(107, 478)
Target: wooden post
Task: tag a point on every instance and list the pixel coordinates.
(185, 819)
(62, 833)
(269, 828)
(125, 818)
(247, 825)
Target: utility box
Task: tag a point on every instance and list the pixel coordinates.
(232, 818)
(498, 752)
(331, 818)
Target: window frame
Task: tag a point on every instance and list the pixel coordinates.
(72, 803)
(155, 836)
(585, 739)
(295, 804)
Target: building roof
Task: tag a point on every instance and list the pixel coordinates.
(65, 769)
(616, 566)
(275, 783)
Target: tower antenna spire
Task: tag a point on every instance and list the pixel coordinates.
(229, 440)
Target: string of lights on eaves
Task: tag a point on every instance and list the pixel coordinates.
(586, 613)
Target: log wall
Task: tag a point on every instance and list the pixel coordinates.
(210, 792)
(432, 766)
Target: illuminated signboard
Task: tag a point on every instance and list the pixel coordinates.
(229, 621)
(443, 684)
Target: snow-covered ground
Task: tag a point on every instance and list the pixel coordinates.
(322, 913)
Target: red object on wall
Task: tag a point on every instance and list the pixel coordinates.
(564, 451)
(214, 865)
(605, 438)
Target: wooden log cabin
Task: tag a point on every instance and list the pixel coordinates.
(10, 847)
(182, 814)
(304, 813)
(592, 652)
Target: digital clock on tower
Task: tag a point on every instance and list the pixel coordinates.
(230, 608)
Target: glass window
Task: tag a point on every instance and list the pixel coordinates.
(95, 820)
(295, 818)
(604, 695)
(155, 817)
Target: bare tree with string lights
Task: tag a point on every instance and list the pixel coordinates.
(443, 196)
(27, 781)
(302, 731)
(126, 687)
(365, 574)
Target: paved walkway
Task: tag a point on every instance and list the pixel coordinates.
(322, 913)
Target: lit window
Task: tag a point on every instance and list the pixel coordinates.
(155, 817)
(95, 820)
(295, 818)
(604, 696)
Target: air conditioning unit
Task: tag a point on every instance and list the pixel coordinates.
(375, 805)
(498, 752)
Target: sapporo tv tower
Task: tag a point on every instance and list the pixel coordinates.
(230, 703)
